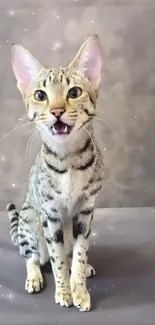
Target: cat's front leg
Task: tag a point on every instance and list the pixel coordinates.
(81, 232)
(53, 230)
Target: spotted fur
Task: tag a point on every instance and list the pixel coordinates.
(58, 210)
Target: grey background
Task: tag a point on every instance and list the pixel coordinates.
(53, 31)
(122, 240)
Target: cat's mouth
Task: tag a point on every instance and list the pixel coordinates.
(60, 128)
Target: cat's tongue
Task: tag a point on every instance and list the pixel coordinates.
(60, 128)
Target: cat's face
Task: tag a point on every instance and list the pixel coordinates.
(59, 101)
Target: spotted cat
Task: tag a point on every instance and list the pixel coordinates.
(67, 174)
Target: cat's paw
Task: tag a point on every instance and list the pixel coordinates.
(34, 281)
(81, 296)
(63, 296)
(90, 271)
(34, 284)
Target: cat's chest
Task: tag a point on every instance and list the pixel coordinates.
(71, 185)
(66, 190)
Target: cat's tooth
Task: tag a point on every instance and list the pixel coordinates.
(54, 130)
(66, 129)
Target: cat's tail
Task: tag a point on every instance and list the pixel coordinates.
(14, 220)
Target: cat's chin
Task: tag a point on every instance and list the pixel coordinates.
(60, 138)
(48, 136)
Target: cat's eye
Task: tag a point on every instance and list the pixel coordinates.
(74, 92)
(40, 95)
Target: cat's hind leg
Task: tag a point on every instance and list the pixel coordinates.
(28, 247)
(28, 242)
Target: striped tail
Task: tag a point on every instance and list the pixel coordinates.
(14, 219)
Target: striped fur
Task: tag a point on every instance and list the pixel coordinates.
(58, 210)
(14, 219)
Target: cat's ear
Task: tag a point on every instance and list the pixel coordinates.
(88, 60)
(25, 67)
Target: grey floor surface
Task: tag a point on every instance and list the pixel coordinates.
(123, 291)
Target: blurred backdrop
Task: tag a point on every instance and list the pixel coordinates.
(53, 30)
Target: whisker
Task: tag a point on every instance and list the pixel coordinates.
(16, 128)
(43, 122)
(29, 131)
(37, 131)
(97, 118)
(99, 111)
(29, 141)
(88, 134)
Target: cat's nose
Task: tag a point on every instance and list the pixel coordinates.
(57, 112)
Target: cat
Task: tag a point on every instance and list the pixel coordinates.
(67, 174)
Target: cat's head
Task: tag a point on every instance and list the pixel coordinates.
(60, 100)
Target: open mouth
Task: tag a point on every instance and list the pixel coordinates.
(60, 128)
